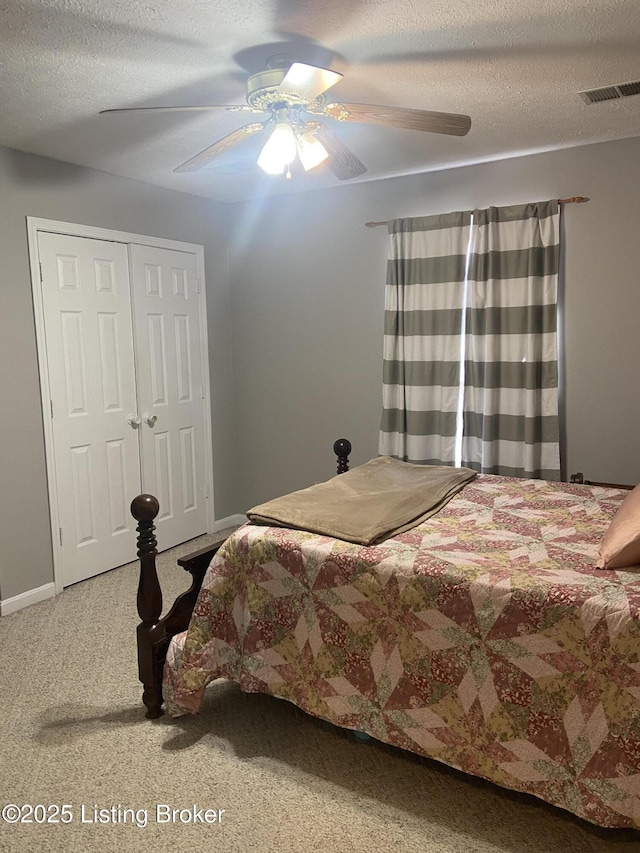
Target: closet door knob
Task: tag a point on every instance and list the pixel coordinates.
(133, 421)
(149, 419)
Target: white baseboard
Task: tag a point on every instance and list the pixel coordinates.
(25, 599)
(229, 521)
(41, 593)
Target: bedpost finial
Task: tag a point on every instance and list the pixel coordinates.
(342, 449)
(144, 508)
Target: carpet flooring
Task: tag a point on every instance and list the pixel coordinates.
(250, 773)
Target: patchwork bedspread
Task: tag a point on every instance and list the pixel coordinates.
(484, 638)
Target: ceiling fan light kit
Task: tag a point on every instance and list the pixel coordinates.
(287, 92)
(291, 138)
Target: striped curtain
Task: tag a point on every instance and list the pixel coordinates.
(422, 337)
(510, 409)
(470, 373)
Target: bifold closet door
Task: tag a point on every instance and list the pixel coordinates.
(89, 342)
(168, 344)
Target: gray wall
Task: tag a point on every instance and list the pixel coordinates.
(34, 186)
(307, 283)
(300, 282)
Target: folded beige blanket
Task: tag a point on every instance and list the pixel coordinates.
(368, 504)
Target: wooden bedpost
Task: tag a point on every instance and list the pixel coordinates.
(154, 632)
(342, 449)
(144, 509)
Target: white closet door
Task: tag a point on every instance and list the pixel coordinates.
(170, 391)
(87, 308)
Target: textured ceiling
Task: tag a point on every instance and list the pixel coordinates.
(515, 67)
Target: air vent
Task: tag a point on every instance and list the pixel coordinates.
(610, 93)
(627, 89)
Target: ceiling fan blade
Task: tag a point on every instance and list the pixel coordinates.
(342, 162)
(204, 157)
(308, 81)
(200, 108)
(432, 122)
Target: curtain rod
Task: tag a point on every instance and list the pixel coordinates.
(576, 199)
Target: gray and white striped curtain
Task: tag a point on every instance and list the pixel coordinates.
(470, 349)
(510, 410)
(423, 324)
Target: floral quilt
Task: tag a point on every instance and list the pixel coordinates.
(484, 638)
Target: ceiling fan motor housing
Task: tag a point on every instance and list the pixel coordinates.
(263, 92)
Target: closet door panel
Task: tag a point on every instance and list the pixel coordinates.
(170, 391)
(89, 343)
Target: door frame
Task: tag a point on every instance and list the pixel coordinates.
(36, 225)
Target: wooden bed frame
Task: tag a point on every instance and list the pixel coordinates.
(579, 480)
(154, 633)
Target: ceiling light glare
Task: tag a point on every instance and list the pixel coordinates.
(279, 150)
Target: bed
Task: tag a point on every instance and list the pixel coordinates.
(485, 637)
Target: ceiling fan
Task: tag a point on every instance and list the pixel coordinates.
(291, 95)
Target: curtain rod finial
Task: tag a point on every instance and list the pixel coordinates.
(576, 199)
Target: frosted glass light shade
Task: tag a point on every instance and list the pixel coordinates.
(310, 151)
(279, 150)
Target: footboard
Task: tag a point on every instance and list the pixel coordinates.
(154, 633)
